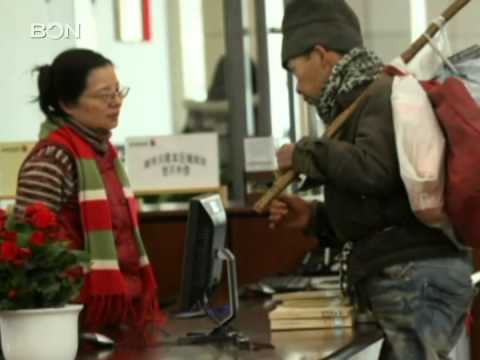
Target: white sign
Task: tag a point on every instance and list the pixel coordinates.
(174, 162)
(260, 154)
(12, 155)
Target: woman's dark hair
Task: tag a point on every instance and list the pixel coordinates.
(65, 79)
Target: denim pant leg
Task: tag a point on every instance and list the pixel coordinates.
(421, 306)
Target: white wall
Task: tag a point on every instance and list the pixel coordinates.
(462, 29)
(19, 53)
(214, 35)
(214, 32)
(193, 49)
(385, 25)
(142, 66)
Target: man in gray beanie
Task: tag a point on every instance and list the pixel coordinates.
(332, 24)
(414, 279)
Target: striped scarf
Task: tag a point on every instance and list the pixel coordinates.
(358, 67)
(105, 290)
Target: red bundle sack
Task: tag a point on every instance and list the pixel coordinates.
(459, 116)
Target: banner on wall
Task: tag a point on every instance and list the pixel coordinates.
(12, 155)
(173, 162)
(134, 20)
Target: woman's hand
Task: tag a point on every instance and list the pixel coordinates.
(290, 211)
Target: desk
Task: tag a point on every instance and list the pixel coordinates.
(327, 344)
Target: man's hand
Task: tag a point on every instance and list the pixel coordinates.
(290, 211)
(285, 157)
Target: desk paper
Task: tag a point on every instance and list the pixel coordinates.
(260, 154)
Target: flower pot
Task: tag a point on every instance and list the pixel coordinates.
(40, 334)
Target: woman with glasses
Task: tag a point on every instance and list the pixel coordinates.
(74, 170)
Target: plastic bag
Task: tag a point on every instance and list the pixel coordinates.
(426, 64)
(421, 149)
(467, 69)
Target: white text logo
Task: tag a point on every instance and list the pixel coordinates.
(54, 31)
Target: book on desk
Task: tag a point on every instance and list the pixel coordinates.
(310, 310)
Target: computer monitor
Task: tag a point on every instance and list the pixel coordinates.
(206, 233)
(203, 259)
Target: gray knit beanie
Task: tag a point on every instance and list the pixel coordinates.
(330, 23)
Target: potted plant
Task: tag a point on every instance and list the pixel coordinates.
(40, 275)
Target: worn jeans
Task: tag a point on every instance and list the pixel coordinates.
(421, 306)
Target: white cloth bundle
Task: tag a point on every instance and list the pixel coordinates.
(421, 149)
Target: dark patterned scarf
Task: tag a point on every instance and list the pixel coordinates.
(356, 68)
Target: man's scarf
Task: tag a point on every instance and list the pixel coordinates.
(358, 67)
(105, 291)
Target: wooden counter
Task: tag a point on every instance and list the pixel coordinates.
(327, 344)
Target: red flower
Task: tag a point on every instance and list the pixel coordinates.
(34, 208)
(12, 294)
(8, 251)
(74, 272)
(18, 262)
(22, 265)
(54, 233)
(40, 216)
(9, 236)
(24, 252)
(3, 218)
(37, 238)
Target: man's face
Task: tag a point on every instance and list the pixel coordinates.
(312, 71)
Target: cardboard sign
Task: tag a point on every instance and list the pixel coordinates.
(260, 154)
(174, 162)
(12, 155)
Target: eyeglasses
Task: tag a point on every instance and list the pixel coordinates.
(108, 98)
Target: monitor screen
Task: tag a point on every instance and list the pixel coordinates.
(202, 267)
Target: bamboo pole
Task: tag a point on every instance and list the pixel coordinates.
(289, 176)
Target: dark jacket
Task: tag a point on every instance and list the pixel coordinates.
(365, 199)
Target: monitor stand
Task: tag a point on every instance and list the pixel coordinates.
(222, 333)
